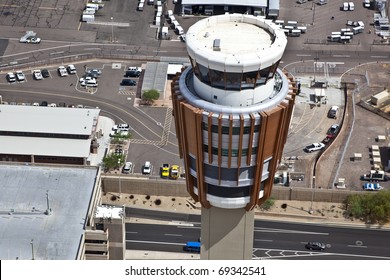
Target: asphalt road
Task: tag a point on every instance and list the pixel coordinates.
(272, 240)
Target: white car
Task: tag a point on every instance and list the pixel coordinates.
(33, 40)
(314, 147)
(147, 168)
(11, 78)
(62, 71)
(37, 74)
(121, 127)
(71, 69)
(88, 82)
(135, 69)
(20, 76)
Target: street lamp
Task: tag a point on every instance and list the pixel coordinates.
(311, 211)
(120, 183)
(32, 249)
(112, 30)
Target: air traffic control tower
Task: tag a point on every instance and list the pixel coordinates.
(232, 111)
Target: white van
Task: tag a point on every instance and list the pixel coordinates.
(292, 23)
(179, 30)
(357, 29)
(89, 11)
(334, 38)
(92, 6)
(88, 18)
(302, 29)
(351, 6)
(295, 33)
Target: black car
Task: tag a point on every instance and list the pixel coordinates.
(315, 246)
(44, 103)
(132, 73)
(94, 73)
(128, 82)
(45, 73)
(333, 130)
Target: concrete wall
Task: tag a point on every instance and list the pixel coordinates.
(160, 187)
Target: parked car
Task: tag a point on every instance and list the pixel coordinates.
(314, 147)
(20, 76)
(88, 82)
(94, 73)
(128, 82)
(372, 187)
(121, 127)
(165, 170)
(147, 168)
(333, 130)
(333, 112)
(45, 73)
(44, 103)
(62, 71)
(37, 74)
(315, 246)
(11, 78)
(127, 168)
(134, 68)
(174, 172)
(33, 40)
(132, 73)
(71, 69)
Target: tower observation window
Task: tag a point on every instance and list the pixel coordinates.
(233, 81)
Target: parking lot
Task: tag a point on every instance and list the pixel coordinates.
(119, 23)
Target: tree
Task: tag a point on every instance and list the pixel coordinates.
(113, 161)
(370, 207)
(267, 204)
(150, 95)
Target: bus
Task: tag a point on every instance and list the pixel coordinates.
(193, 247)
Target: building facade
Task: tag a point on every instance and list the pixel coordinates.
(232, 111)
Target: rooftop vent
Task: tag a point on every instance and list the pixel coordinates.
(217, 45)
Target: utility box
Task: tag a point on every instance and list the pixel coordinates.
(379, 98)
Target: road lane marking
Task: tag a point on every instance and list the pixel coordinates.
(155, 242)
(289, 231)
(133, 232)
(264, 240)
(171, 234)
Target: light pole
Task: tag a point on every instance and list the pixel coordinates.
(120, 183)
(112, 30)
(32, 249)
(311, 211)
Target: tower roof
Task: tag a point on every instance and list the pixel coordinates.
(236, 42)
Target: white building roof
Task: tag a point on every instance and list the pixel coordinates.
(63, 147)
(249, 3)
(77, 121)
